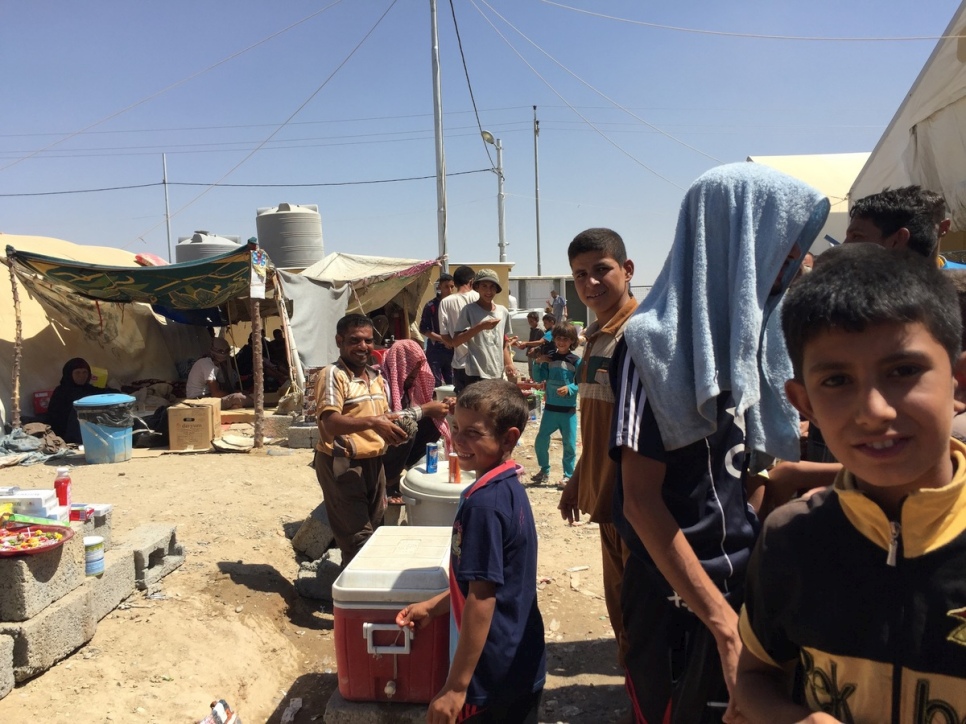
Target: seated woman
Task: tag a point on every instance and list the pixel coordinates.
(75, 383)
(411, 393)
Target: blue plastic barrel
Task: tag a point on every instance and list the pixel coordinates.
(106, 422)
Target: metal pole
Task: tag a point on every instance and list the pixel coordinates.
(440, 156)
(500, 200)
(167, 208)
(536, 182)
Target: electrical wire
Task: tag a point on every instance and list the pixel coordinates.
(170, 87)
(283, 124)
(752, 36)
(599, 92)
(466, 72)
(569, 105)
(243, 186)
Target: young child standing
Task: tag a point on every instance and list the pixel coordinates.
(535, 339)
(559, 371)
(497, 654)
(862, 587)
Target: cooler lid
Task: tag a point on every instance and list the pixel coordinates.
(435, 486)
(104, 400)
(399, 564)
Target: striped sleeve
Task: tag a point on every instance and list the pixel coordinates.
(330, 390)
(629, 402)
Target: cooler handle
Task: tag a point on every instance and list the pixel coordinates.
(410, 501)
(369, 628)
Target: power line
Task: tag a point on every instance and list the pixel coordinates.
(466, 72)
(753, 36)
(243, 186)
(170, 87)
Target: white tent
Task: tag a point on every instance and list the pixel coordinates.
(925, 143)
(833, 175)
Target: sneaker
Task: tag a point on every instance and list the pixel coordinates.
(539, 478)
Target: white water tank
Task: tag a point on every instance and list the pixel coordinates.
(291, 235)
(203, 244)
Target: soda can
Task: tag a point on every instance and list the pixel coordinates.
(454, 468)
(432, 457)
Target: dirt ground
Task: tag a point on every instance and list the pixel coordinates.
(229, 624)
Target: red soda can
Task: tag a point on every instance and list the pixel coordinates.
(454, 468)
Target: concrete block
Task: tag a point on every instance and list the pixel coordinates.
(340, 711)
(276, 426)
(315, 579)
(315, 536)
(7, 681)
(115, 584)
(100, 525)
(28, 584)
(303, 435)
(56, 632)
(156, 553)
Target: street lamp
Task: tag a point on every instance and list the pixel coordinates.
(500, 196)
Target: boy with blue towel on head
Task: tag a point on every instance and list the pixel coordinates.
(698, 382)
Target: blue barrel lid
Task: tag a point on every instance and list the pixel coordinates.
(104, 400)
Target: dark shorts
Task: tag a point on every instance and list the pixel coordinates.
(522, 710)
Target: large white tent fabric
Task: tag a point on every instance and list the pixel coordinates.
(831, 173)
(925, 143)
(345, 283)
(129, 340)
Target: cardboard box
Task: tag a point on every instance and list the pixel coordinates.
(193, 424)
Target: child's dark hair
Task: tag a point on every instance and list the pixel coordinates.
(500, 401)
(549, 318)
(533, 316)
(606, 241)
(856, 286)
(566, 330)
(463, 275)
(912, 207)
(958, 278)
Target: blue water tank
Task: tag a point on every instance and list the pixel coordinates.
(291, 234)
(203, 244)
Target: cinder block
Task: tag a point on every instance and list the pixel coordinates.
(60, 629)
(315, 536)
(303, 435)
(276, 426)
(7, 681)
(340, 711)
(115, 584)
(156, 553)
(315, 579)
(100, 525)
(28, 584)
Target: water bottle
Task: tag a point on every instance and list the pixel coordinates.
(62, 486)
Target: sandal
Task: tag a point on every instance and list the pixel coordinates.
(562, 485)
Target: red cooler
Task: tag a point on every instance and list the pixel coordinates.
(378, 661)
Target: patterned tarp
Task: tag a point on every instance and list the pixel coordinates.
(193, 285)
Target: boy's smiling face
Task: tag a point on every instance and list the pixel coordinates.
(563, 344)
(478, 446)
(601, 282)
(883, 398)
(487, 290)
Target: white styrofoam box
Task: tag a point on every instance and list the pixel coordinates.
(398, 564)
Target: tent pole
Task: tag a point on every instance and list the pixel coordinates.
(296, 373)
(17, 351)
(257, 363)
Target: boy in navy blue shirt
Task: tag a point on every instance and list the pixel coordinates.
(497, 654)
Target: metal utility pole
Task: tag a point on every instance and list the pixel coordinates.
(536, 182)
(167, 208)
(440, 156)
(500, 196)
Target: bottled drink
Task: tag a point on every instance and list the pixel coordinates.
(62, 486)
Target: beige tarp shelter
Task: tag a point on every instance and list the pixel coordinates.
(128, 340)
(831, 173)
(925, 143)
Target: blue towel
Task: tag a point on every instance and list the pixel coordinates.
(710, 322)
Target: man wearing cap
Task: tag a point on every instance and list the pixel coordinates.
(449, 314)
(208, 377)
(484, 327)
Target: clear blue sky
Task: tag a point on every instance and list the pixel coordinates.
(68, 65)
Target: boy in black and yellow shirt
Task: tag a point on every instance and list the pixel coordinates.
(858, 594)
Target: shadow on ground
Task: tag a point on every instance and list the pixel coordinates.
(264, 578)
